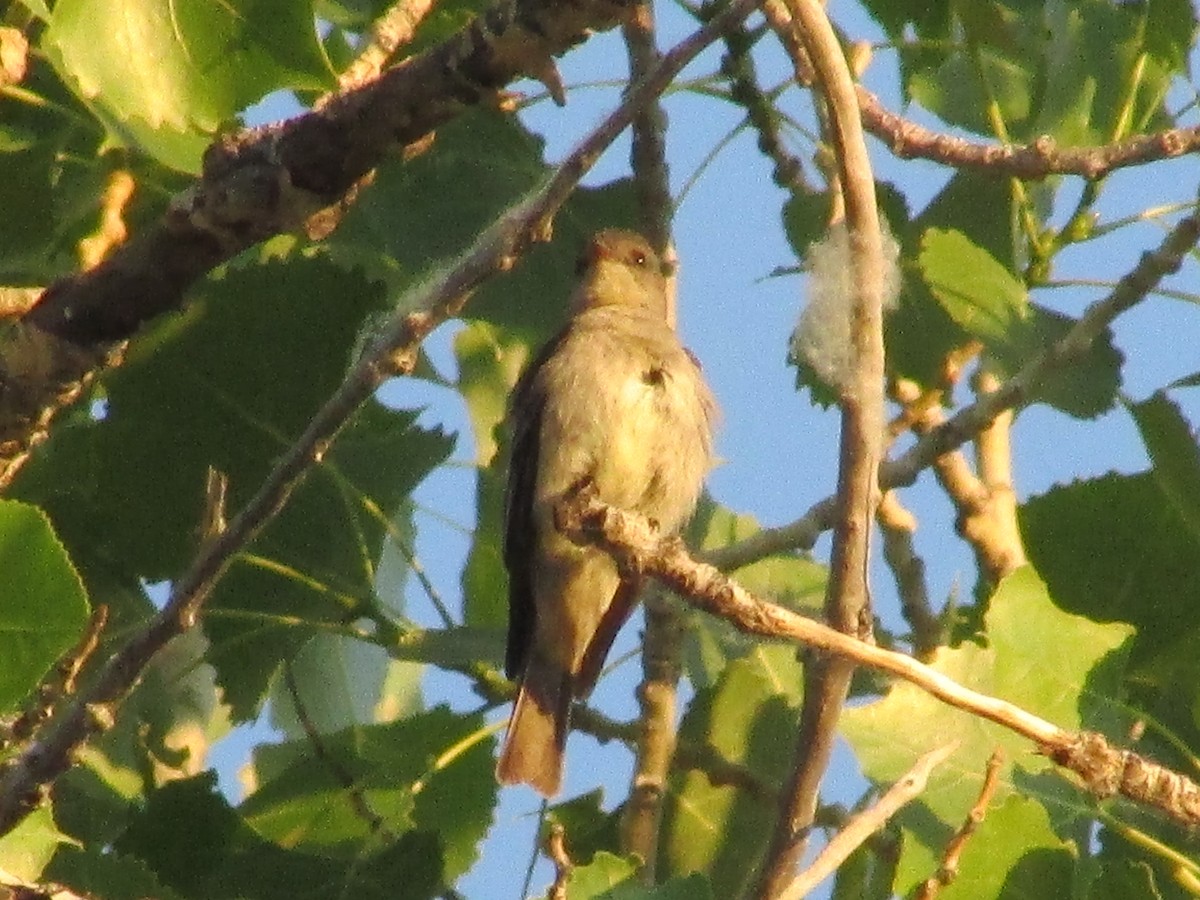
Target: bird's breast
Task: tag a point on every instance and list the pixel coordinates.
(633, 417)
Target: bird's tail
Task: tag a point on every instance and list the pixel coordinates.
(537, 730)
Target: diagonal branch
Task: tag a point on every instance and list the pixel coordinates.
(393, 351)
(861, 827)
(1103, 769)
(295, 175)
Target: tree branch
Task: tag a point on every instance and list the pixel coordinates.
(392, 351)
(636, 544)
(948, 870)
(663, 636)
(295, 175)
(861, 827)
(847, 600)
(1042, 158)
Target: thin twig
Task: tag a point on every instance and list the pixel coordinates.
(847, 599)
(897, 526)
(394, 350)
(862, 826)
(948, 870)
(358, 800)
(556, 849)
(391, 31)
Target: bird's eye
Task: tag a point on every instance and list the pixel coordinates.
(637, 257)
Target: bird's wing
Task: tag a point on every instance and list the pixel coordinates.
(520, 530)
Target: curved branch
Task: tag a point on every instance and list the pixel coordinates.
(1032, 162)
(847, 599)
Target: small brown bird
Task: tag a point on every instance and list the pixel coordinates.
(614, 398)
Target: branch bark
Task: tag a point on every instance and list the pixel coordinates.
(858, 830)
(1032, 162)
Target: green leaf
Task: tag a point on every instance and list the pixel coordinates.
(979, 294)
(1123, 879)
(191, 66)
(202, 849)
(432, 772)
(866, 875)
(589, 829)
(990, 304)
(92, 872)
(610, 877)
(958, 90)
(602, 878)
(1101, 83)
(1137, 568)
(1036, 657)
(43, 606)
(229, 384)
(805, 220)
(792, 579)
(1173, 450)
(315, 565)
(749, 717)
(919, 334)
(1084, 388)
(26, 850)
(1170, 30)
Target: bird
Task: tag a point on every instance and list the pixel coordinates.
(616, 400)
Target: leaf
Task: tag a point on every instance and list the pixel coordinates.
(919, 334)
(230, 383)
(43, 606)
(601, 877)
(1173, 450)
(1170, 30)
(1084, 388)
(1101, 84)
(316, 562)
(990, 304)
(980, 295)
(1137, 568)
(202, 849)
(91, 872)
(431, 772)
(25, 851)
(190, 66)
(589, 829)
(1036, 657)
(791, 579)
(610, 877)
(749, 717)
(1123, 879)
